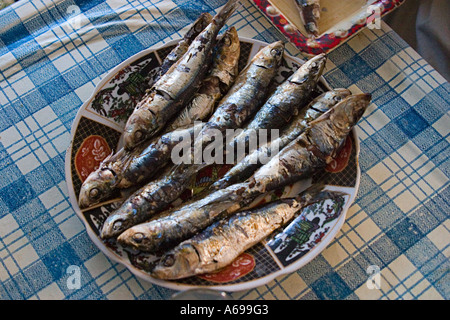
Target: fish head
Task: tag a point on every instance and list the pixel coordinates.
(177, 263)
(120, 220)
(229, 49)
(141, 125)
(98, 186)
(313, 68)
(229, 42)
(270, 56)
(349, 111)
(225, 66)
(337, 95)
(329, 99)
(141, 236)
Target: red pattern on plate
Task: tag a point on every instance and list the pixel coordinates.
(326, 42)
(340, 162)
(93, 150)
(239, 268)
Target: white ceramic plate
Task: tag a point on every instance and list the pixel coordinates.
(96, 132)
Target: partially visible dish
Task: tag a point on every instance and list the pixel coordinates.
(330, 25)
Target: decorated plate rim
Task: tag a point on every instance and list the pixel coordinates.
(337, 225)
(323, 44)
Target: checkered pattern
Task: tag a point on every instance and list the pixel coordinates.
(54, 52)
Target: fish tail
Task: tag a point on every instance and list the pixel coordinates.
(226, 12)
(308, 195)
(201, 23)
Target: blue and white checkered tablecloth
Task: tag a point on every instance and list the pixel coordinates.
(54, 52)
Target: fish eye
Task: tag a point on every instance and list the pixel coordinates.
(94, 193)
(117, 225)
(138, 135)
(275, 52)
(342, 124)
(138, 237)
(168, 260)
(199, 27)
(227, 41)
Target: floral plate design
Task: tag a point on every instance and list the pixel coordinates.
(97, 130)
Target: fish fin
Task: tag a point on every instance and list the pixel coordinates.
(307, 196)
(325, 116)
(226, 11)
(312, 194)
(108, 158)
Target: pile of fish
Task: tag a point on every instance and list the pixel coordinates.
(199, 80)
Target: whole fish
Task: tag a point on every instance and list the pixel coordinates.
(102, 183)
(164, 232)
(244, 97)
(309, 152)
(247, 166)
(314, 148)
(222, 242)
(125, 169)
(310, 14)
(221, 77)
(173, 90)
(156, 156)
(289, 97)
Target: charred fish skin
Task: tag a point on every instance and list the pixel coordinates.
(153, 158)
(315, 109)
(314, 148)
(162, 233)
(226, 61)
(223, 73)
(246, 95)
(292, 95)
(250, 89)
(103, 182)
(310, 15)
(201, 23)
(247, 166)
(180, 49)
(288, 98)
(129, 168)
(170, 93)
(219, 244)
(308, 152)
(231, 112)
(222, 242)
(149, 200)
